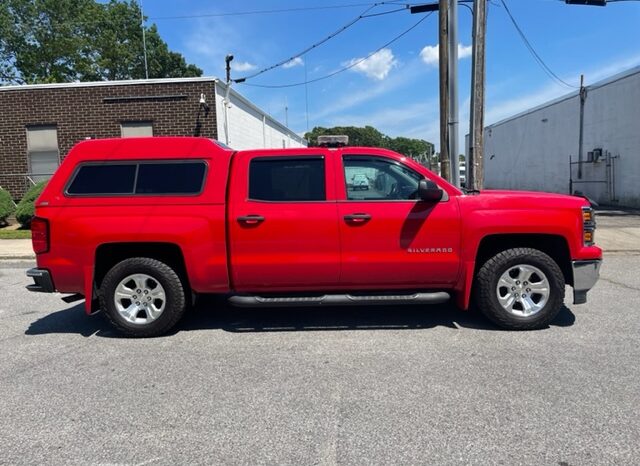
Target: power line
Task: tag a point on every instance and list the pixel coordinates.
(262, 12)
(533, 52)
(326, 39)
(348, 67)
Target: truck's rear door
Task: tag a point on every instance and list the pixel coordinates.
(283, 221)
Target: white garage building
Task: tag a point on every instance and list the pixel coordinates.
(242, 125)
(533, 150)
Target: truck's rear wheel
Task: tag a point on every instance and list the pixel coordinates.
(142, 297)
(520, 289)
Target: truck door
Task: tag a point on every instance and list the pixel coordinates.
(283, 221)
(389, 238)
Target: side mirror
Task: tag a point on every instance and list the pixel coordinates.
(429, 191)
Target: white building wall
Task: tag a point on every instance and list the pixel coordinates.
(531, 151)
(241, 125)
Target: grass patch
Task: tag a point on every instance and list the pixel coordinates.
(14, 234)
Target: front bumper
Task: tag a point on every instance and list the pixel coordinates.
(42, 281)
(585, 276)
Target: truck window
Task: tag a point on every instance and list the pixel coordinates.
(287, 179)
(378, 179)
(104, 179)
(143, 178)
(170, 178)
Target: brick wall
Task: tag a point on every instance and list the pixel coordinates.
(79, 112)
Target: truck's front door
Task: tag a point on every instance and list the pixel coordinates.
(389, 238)
(283, 221)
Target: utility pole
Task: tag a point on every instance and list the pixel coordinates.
(443, 54)
(286, 111)
(144, 42)
(444, 88)
(227, 61)
(475, 164)
(453, 92)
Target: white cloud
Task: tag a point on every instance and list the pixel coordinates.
(242, 66)
(430, 53)
(464, 51)
(359, 95)
(297, 61)
(209, 54)
(377, 66)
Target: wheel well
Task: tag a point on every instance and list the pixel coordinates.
(554, 246)
(108, 255)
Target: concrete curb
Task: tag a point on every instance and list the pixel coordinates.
(11, 257)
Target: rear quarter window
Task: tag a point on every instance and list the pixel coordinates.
(170, 178)
(103, 179)
(138, 178)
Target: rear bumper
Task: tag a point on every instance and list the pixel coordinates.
(42, 281)
(585, 276)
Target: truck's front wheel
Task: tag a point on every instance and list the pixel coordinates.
(142, 297)
(520, 289)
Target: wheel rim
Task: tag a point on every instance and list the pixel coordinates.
(140, 299)
(523, 290)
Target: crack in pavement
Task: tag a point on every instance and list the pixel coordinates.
(623, 285)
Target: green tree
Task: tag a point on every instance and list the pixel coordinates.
(26, 207)
(410, 147)
(7, 207)
(81, 40)
(368, 136)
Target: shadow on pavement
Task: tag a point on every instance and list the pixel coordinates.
(214, 313)
(71, 320)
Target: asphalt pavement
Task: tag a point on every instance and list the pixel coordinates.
(396, 385)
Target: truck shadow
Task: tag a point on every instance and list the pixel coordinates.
(215, 314)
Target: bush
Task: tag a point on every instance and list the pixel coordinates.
(25, 208)
(7, 207)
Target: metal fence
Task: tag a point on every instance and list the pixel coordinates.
(21, 182)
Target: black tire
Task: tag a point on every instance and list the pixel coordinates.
(174, 306)
(486, 294)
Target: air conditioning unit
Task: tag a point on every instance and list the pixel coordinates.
(597, 155)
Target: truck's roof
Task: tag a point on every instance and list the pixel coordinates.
(164, 147)
(147, 147)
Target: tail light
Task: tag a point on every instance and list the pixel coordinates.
(40, 235)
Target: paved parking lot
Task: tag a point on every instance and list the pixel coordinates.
(333, 386)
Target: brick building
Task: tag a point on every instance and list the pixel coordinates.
(40, 123)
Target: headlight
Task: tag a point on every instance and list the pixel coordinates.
(588, 226)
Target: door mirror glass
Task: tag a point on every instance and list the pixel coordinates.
(429, 191)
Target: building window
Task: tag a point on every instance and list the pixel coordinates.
(131, 129)
(42, 147)
(287, 179)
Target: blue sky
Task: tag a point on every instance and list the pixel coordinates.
(396, 90)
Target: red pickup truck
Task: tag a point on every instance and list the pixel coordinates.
(139, 227)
